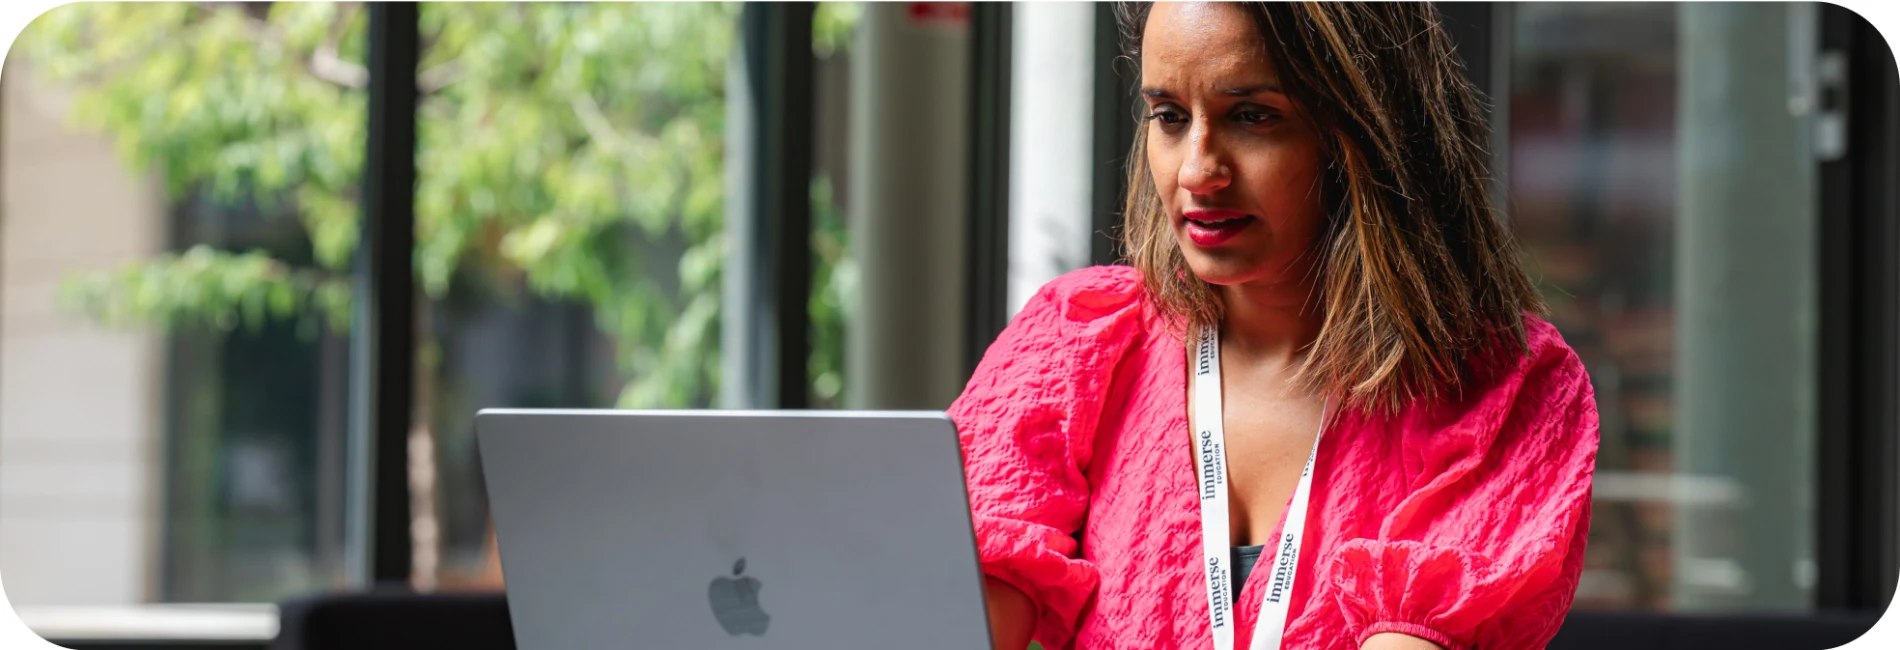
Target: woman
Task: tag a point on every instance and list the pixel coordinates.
(1323, 323)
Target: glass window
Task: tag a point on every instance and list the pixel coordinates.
(179, 190)
(570, 239)
(177, 258)
(1664, 190)
(569, 208)
(833, 274)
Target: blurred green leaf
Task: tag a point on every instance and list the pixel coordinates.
(563, 144)
(208, 288)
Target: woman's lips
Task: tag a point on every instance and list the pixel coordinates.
(1215, 227)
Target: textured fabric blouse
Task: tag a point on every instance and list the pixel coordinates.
(1462, 524)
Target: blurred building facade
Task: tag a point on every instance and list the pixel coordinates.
(83, 406)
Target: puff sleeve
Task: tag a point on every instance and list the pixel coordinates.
(1486, 548)
(1026, 420)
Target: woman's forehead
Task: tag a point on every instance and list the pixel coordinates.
(1203, 46)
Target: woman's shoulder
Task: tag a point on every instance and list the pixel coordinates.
(1077, 321)
(1544, 362)
(1060, 347)
(1543, 381)
(1108, 285)
(1089, 294)
(1548, 357)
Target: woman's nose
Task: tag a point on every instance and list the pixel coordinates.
(1205, 169)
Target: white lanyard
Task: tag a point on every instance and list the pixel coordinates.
(1210, 455)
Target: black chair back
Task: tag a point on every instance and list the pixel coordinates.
(395, 620)
(1643, 631)
(400, 620)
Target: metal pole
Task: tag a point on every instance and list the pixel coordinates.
(769, 169)
(909, 196)
(992, 33)
(382, 341)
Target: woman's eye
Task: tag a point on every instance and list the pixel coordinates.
(1166, 117)
(1256, 117)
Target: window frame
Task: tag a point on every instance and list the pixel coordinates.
(1857, 549)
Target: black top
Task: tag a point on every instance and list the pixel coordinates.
(1244, 559)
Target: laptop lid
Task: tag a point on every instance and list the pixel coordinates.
(733, 529)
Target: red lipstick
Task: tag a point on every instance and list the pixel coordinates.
(1208, 228)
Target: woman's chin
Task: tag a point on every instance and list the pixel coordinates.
(1223, 273)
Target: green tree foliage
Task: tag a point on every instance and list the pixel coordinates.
(573, 150)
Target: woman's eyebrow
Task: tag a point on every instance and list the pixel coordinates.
(1249, 91)
(1240, 91)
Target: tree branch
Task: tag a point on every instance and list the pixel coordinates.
(436, 78)
(600, 129)
(326, 65)
(341, 21)
(323, 64)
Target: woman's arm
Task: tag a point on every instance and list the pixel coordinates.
(1394, 641)
(1012, 616)
(1027, 423)
(1487, 548)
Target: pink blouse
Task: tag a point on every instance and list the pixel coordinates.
(1463, 525)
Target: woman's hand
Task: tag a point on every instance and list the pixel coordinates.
(1012, 615)
(1396, 641)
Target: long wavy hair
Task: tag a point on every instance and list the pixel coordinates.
(1421, 287)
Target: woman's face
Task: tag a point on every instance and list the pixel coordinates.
(1236, 165)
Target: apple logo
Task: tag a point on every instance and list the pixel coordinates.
(735, 602)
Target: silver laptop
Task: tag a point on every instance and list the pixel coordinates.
(733, 529)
